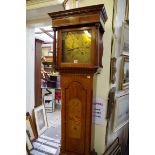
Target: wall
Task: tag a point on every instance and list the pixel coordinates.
(30, 62)
(30, 51)
(31, 23)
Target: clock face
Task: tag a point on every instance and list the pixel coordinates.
(76, 46)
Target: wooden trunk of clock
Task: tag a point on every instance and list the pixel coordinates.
(76, 113)
(78, 57)
(38, 44)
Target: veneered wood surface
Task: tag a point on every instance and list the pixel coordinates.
(38, 52)
(76, 88)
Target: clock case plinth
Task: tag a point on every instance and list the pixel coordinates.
(78, 80)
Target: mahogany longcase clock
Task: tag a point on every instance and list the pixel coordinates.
(78, 52)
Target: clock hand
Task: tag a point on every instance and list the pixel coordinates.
(70, 50)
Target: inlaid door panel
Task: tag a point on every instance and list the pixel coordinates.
(76, 100)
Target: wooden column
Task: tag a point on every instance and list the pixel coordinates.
(38, 54)
(54, 47)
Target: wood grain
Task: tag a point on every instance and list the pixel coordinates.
(38, 54)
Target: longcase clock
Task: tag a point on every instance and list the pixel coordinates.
(78, 52)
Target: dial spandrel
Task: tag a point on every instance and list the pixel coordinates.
(76, 46)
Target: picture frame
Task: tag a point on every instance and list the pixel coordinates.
(113, 45)
(114, 16)
(124, 45)
(127, 11)
(40, 119)
(29, 145)
(121, 112)
(112, 147)
(27, 150)
(117, 150)
(113, 70)
(111, 101)
(124, 73)
(30, 128)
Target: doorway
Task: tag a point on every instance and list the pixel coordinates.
(50, 92)
(47, 94)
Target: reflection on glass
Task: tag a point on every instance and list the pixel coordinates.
(126, 72)
(40, 116)
(76, 46)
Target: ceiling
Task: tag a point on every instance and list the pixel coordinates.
(33, 4)
(42, 13)
(45, 34)
(37, 15)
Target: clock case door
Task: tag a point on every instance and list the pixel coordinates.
(77, 114)
(94, 53)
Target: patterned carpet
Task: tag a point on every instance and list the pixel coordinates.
(45, 145)
(49, 142)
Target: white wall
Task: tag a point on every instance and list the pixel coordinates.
(30, 51)
(30, 62)
(31, 23)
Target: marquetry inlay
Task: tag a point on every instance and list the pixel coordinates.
(75, 118)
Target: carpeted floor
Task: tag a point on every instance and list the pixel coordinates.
(54, 125)
(49, 142)
(45, 145)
